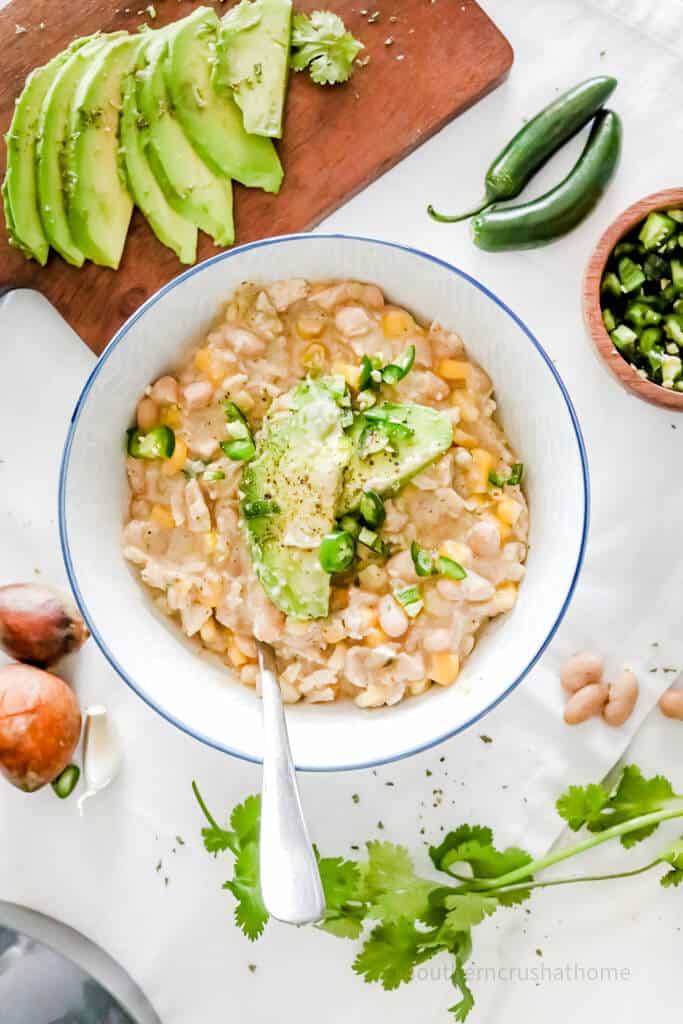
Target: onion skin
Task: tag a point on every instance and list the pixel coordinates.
(38, 625)
(40, 724)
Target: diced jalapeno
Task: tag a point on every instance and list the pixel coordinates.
(370, 539)
(337, 551)
(449, 568)
(158, 443)
(350, 525)
(66, 781)
(640, 314)
(650, 337)
(624, 338)
(611, 285)
(210, 475)
(410, 598)
(630, 275)
(496, 479)
(673, 327)
(656, 229)
(365, 376)
(608, 319)
(260, 508)
(677, 274)
(396, 371)
(240, 450)
(516, 474)
(371, 508)
(422, 560)
(655, 267)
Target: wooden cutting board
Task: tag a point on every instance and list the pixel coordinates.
(428, 61)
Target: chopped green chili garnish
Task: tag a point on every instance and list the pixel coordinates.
(371, 508)
(350, 525)
(240, 447)
(158, 443)
(240, 450)
(516, 474)
(66, 781)
(337, 551)
(656, 229)
(209, 475)
(395, 372)
(370, 539)
(449, 568)
(260, 508)
(630, 274)
(422, 560)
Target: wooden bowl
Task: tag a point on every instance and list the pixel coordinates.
(622, 370)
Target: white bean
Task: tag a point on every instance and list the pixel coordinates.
(165, 391)
(392, 618)
(352, 321)
(438, 640)
(585, 703)
(580, 670)
(623, 695)
(198, 394)
(484, 538)
(147, 414)
(671, 704)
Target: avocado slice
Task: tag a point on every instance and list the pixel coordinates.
(191, 188)
(210, 117)
(301, 455)
(390, 463)
(99, 203)
(20, 196)
(52, 137)
(170, 228)
(253, 61)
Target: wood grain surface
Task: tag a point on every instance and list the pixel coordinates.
(336, 140)
(622, 370)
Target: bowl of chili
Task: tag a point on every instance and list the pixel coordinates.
(633, 298)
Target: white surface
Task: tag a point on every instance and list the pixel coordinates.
(153, 654)
(99, 874)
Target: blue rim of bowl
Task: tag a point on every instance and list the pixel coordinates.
(118, 338)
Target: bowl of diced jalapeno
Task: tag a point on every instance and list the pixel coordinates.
(634, 298)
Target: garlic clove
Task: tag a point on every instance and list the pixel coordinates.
(101, 752)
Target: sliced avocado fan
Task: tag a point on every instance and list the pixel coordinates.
(389, 451)
(309, 471)
(19, 192)
(253, 61)
(170, 228)
(98, 200)
(191, 188)
(210, 118)
(295, 480)
(52, 136)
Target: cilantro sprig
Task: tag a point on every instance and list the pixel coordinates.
(404, 919)
(322, 43)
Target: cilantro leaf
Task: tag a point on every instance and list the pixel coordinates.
(464, 910)
(673, 856)
(391, 952)
(462, 1008)
(345, 907)
(633, 797)
(473, 845)
(250, 914)
(216, 839)
(245, 820)
(392, 886)
(322, 43)
(582, 805)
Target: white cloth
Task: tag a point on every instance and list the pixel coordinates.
(99, 873)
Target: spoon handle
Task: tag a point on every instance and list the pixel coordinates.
(290, 880)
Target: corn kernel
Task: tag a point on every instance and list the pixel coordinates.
(209, 631)
(308, 326)
(173, 465)
(457, 551)
(163, 517)
(171, 416)
(504, 530)
(235, 655)
(202, 359)
(463, 439)
(418, 687)
(314, 356)
(351, 374)
(478, 475)
(508, 511)
(396, 323)
(209, 541)
(454, 370)
(444, 668)
(506, 595)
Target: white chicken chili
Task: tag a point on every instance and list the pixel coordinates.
(326, 474)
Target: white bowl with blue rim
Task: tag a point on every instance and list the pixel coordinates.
(150, 653)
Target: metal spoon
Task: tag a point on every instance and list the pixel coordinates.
(290, 880)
